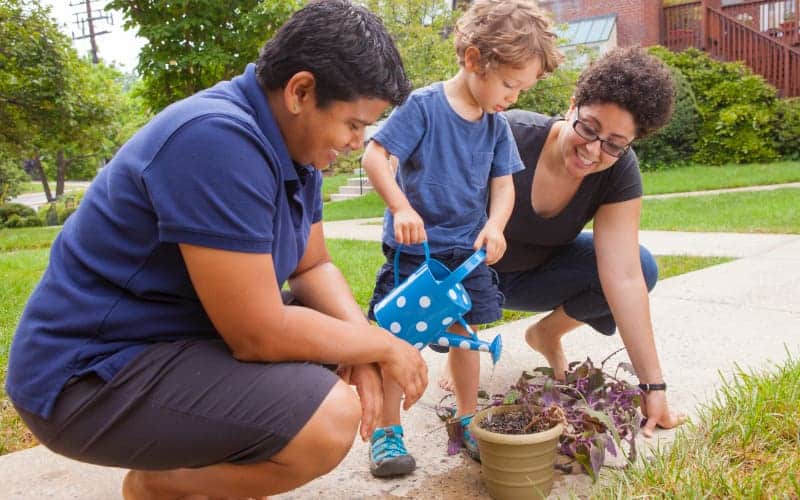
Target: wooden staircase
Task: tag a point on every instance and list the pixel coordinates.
(764, 34)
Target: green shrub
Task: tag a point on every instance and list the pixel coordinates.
(737, 108)
(787, 126)
(48, 214)
(64, 214)
(345, 164)
(17, 221)
(550, 96)
(57, 212)
(673, 145)
(14, 209)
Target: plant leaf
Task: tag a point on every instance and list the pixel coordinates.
(511, 398)
(582, 457)
(597, 455)
(606, 420)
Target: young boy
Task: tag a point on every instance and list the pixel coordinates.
(454, 150)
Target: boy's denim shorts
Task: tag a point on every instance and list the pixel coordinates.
(481, 283)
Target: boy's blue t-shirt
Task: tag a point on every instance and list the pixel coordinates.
(211, 170)
(445, 164)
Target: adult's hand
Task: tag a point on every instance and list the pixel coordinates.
(406, 366)
(408, 226)
(657, 412)
(369, 385)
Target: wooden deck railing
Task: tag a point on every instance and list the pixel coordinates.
(682, 26)
(750, 32)
(733, 41)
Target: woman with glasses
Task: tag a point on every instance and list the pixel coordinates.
(577, 169)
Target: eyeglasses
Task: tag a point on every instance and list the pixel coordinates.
(589, 134)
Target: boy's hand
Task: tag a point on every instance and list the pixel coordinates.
(408, 227)
(492, 238)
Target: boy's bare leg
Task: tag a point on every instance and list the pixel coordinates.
(465, 366)
(544, 337)
(314, 451)
(392, 397)
(446, 376)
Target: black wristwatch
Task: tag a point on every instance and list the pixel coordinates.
(653, 387)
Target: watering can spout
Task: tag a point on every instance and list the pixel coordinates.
(495, 348)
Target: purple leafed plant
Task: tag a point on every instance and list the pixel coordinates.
(599, 411)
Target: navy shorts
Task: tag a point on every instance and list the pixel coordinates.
(481, 283)
(182, 404)
(570, 279)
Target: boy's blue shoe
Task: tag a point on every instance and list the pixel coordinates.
(387, 453)
(470, 444)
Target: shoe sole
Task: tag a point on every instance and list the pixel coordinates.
(398, 466)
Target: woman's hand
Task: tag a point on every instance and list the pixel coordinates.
(656, 411)
(491, 237)
(406, 366)
(369, 385)
(408, 226)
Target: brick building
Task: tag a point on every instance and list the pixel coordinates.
(638, 21)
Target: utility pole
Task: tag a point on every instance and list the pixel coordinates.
(85, 19)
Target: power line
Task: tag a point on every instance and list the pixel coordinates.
(85, 19)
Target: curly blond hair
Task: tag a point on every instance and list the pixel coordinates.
(507, 32)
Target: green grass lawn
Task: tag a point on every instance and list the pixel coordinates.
(369, 205)
(27, 238)
(676, 180)
(36, 186)
(21, 270)
(32, 187)
(775, 211)
(702, 177)
(745, 444)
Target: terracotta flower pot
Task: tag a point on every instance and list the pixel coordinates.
(516, 466)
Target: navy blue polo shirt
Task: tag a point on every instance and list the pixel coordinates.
(211, 170)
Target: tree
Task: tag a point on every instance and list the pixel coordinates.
(11, 177)
(193, 44)
(58, 110)
(422, 30)
(32, 75)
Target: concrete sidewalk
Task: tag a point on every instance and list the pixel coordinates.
(745, 312)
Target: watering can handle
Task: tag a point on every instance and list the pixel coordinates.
(397, 261)
(465, 268)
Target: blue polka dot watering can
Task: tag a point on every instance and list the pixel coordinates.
(420, 309)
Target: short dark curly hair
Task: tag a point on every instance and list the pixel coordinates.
(635, 81)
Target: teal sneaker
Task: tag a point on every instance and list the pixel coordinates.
(470, 444)
(387, 453)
